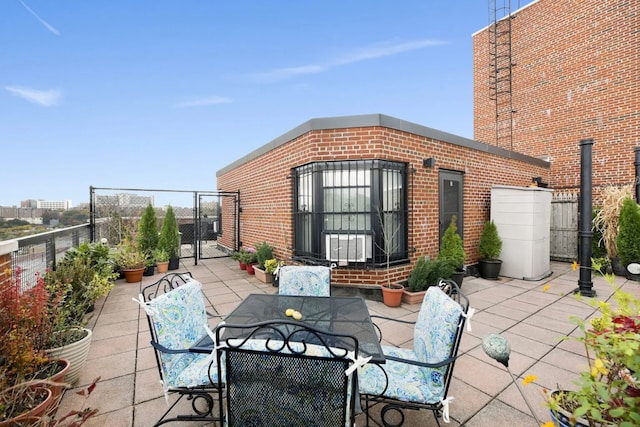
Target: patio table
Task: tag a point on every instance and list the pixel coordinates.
(342, 315)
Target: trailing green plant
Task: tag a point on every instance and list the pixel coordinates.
(451, 247)
(147, 238)
(263, 252)
(628, 239)
(128, 257)
(490, 243)
(426, 273)
(169, 234)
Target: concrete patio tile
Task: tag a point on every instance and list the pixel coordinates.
(561, 326)
(518, 363)
(540, 299)
(146, 359)
(109, 346)
(535, 395)
(130, 313)
(508, 311)
(477, 373)
(102, 331)
(395, 333)
(469, 342)
(498, 414)
(566, 360)
(480, 330)
(109, 367)
(108, 396)
(148, 385)
(537, 333)
(120, 418)
(552, 377)
(225, 298)
(526, 346)
(467, 401)
(422, 418)
(499, 322)
(225, 309)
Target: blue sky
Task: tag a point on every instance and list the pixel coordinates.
(187, 87)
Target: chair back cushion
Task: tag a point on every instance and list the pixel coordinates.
(178, 319)
(436, 327)
(305, 280)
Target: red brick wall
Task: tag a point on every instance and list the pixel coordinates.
(577, 75)
(266, 188)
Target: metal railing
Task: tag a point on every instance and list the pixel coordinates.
(39, 252)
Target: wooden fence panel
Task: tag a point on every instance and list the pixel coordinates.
(564, 227)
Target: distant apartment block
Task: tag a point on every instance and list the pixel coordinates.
(56, 205)
(124, 200)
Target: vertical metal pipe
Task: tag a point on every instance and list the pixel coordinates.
(637, 180)
(585, 233)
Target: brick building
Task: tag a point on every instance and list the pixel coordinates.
(559, 71)
(331, 189)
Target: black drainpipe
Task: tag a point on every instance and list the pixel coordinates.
(637, 181)
(585, 233)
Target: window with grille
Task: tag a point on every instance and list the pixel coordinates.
(351, 212)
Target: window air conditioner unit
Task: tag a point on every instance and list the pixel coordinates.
(346, 247)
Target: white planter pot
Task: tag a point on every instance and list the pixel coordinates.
(76, 353)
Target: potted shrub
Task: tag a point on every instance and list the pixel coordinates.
(607, 222)
(264, 252)
(426, 273)
(132, 262)
(628, 239)
(451, 248)
(608, 392)
(170, 238)
(162, 260)
(489, 248)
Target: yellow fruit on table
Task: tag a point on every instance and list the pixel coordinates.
(297, 315)
(289, 312)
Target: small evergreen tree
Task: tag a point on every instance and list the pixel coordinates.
(451, 247)
(490, 244)
(628, 239)
(148, 238)
(169, 235)
(263, 252)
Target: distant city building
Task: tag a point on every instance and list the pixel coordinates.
(124, 200)
(56, 205)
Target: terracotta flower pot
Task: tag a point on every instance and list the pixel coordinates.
(37, 411)
(162, 266)
(133, 275)
(392, 294)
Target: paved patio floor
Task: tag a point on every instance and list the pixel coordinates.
(533, 319)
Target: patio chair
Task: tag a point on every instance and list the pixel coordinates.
(283, 380)
(177, 319)
(312, 280)
(419, 378)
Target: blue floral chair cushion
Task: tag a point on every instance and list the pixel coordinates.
(305, 280)
(434, 335)
(179, 318)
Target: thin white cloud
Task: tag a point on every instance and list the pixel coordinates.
(210, 100)
(359, 55)
(42, 21)
(45, 98)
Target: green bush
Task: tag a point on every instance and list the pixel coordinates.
(263, 253)
(147, 238)
(451, 247)
(628, 240)
(169, 235)
(490, 244)
(426, 273)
